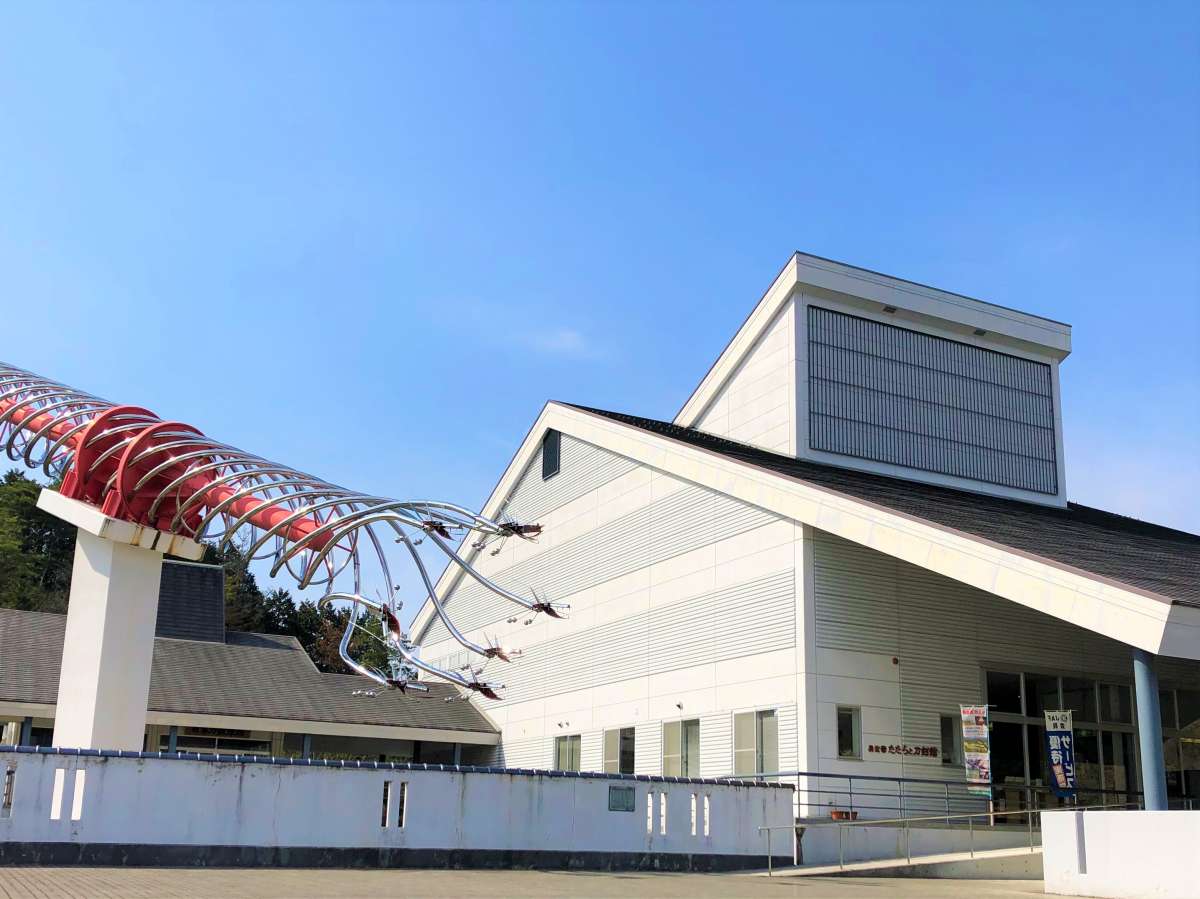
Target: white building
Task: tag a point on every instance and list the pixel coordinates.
(856, 523)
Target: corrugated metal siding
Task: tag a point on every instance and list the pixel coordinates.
(533, 753)
(591, 751)
(789, 738)
(893, 395)
(704, 628)
(647, 748)
(716, 745)
(582, 468)
(681, 522)
(716, 740)
(946, 633)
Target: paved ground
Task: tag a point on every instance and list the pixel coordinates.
(200, 883)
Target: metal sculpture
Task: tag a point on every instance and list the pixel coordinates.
(169, 476)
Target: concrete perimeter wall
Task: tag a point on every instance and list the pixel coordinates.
(1121, 854)
(142, 809)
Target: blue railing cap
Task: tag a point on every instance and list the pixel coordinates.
(241, 759)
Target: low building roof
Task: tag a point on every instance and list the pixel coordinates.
(1113, 547)
(245, 675)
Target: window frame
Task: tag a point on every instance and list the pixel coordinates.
(856, 732)
(551, 454)
(759, 715)
(605, 759)
(955, 758)
(685, 757)
(574, 747)
(1095, 724)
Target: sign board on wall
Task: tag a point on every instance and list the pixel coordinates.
(977, 749)
(620, 799)
(1060, 752)
(930, 752)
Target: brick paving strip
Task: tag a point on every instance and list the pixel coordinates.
(260, 883)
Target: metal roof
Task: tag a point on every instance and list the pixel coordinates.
(1113, 547)
(246, 675)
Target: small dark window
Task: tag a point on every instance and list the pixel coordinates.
(849, 733)
(550, 454)
(951, 728)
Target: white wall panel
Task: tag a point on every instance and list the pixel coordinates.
(679, 595)
(716, 744)
(871, 609)
(757, 404)
(678, 523)
(647, 748)
(748, 619)
(587, 468)
(139, 802)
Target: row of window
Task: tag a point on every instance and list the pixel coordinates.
(755, 747)
(1106, 749)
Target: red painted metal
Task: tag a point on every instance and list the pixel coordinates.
(110, 485)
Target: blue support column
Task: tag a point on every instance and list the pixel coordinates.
(306, 747)
(27, 731)
(1154, 775)
(173, 738)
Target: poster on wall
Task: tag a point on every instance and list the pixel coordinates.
(1060, 752)
(977, 752)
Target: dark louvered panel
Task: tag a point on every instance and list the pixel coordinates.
(191, 602)
(893, 395)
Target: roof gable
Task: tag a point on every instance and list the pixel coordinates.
(1125, 579)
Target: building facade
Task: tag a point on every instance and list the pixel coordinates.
(857, 523)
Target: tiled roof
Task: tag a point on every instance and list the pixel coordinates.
(1146, 556)
(247, 675)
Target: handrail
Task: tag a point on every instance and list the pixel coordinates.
(915, 793)
(907, 822)
(884, 777)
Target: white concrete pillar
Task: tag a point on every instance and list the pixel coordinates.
(109, 645)
(104, 681)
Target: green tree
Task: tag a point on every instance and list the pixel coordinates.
(36, 549)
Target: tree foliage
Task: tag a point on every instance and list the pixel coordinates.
(37, 550)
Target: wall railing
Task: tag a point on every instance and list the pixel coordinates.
(906, 824)
(852, 796)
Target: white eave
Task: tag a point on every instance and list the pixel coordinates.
(1115, 610)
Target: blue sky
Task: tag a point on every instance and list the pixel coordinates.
(371, 240)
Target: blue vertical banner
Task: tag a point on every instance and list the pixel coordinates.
(1060, 753)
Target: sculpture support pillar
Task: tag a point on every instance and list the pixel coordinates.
(109, 645)
(108, 648)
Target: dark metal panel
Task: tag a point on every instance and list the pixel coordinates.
(893, 395)
(191, 602)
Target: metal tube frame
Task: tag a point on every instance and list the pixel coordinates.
(170, 476)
